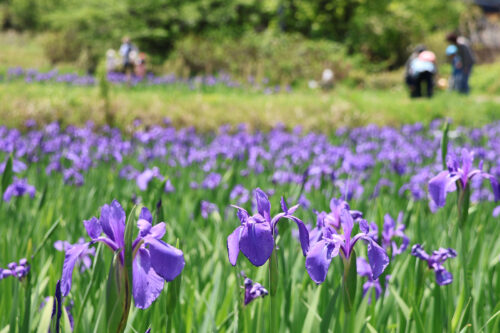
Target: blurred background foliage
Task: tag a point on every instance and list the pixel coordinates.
(278, 39)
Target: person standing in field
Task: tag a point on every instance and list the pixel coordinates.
(422, 70)
(456, 67)
(127, 49)
(466, 55)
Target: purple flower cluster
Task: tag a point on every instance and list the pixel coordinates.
(197, 82)
(18, 270)
(361, 156)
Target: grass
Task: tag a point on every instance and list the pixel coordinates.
(382, 101)
(208, 110)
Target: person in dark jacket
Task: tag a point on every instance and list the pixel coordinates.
(464, 51)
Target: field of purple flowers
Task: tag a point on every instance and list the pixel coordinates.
(32, 75)
(153, 228)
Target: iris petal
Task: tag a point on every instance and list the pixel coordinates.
(113, 222)
(257, 242)
(233, 246)
(166, 260)
(318, 260)
(93, 227)
(146, 283)
(70, 259)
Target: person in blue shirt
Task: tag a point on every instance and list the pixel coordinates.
(456, 67)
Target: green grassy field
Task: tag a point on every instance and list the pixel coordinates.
(208, 110)
(383, 100)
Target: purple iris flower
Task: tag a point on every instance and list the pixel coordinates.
(332, 219)
(146, 176)
(253, 290)
(394, 229)
(19, 270)
(240, 194)
(207, 208)
(211, 181)
(332, 244)
(169, 187)
(436, 261)
(154, 261)
(19, 187)
(255, 236)
(445, 181)
(84, 259)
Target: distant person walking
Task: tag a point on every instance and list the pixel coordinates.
(467, 58)
(421, 72)
(127, 50)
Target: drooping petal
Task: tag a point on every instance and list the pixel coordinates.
(166, 260)
(257, 242)
(377, 257)
(113, 222)
(263, 204)
(93, 227)
(440, 185)
(318, 260)
(146, 283)
(233, 245)
(303, 234)
(70, 259)
(443, 277)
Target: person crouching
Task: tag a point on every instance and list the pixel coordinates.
(422, 71)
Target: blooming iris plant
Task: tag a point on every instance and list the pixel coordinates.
(436, 261)
(459, 173)
(154, 261)
(334, 243)
(255, 236)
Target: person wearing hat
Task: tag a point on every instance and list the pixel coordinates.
(422, 70)
(464, 51)
(456, 67)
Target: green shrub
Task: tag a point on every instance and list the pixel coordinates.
(61, 46)
(281, 58)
